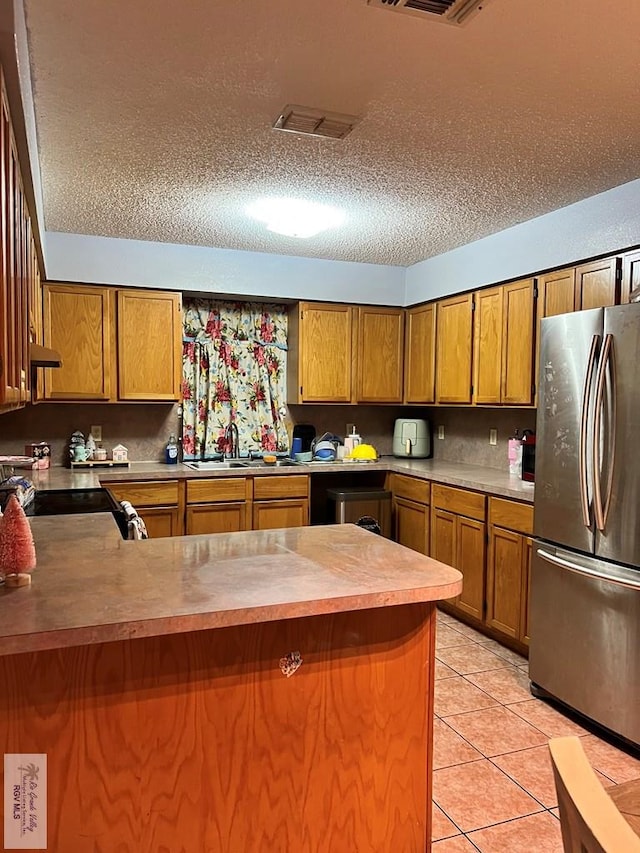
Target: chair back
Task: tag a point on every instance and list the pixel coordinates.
(589, 819)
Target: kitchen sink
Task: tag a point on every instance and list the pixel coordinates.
(215, 465)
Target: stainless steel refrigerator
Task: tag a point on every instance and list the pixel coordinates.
(585, 574)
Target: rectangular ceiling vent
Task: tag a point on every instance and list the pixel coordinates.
(448, 11)
(313, 122)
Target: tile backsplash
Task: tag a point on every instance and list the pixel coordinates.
(145, 428)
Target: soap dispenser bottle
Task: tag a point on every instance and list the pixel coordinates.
(171, 451)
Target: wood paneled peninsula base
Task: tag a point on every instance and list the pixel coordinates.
(267, 690)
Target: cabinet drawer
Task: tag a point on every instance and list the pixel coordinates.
(162, 493)
(411, 488)
(512, 515)
(220, 489)
(266, 488)
(460, 501)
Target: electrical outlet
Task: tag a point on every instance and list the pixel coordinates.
(351, 428)
(493, 436)
(440, 432)
(96, 432)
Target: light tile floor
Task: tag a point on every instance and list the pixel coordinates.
(493, 787)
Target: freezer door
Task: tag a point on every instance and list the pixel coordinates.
(569, 352)
(585, 636)
(619, 452)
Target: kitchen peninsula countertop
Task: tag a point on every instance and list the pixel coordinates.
(477, 477)
(91, 586)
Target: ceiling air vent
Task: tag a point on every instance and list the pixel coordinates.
(449, 11)
(313, 122)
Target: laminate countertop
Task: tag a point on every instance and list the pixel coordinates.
(477, 477)
(91, 586)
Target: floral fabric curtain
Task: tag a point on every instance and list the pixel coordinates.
(233, 371)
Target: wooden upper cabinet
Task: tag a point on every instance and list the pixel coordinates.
(598, 284)
(556, 293)
(149, 345)
(487, 346)
(79, 325)
(454, 345)
(320, 353)
(380, 355)
(420, 354)
(518, 321)
(129, 352)
(15, 271)
(630, 274)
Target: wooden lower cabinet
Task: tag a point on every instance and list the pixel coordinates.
(280, 501)
(160, 504)
(270, 515)
(411, 524)
(218, 505)
(410, 508)
(508, 567)
(459, 540)
(162, 521)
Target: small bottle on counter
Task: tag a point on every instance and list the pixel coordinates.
(171, 451)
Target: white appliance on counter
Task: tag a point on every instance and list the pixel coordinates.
(412, 438)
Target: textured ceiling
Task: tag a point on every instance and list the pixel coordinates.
(154, 118)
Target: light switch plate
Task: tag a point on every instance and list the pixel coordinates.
(493, 436)
(96, 432)
(440, 432)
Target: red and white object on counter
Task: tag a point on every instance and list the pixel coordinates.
(40, 453)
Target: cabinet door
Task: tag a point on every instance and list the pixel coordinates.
(411, 522)
(78, 324)
(518, 343)
(487, 345)
(630, 274)
(270, 515)
(597, 284)
(162, 521)
(217, 518)
(420, 355)
(527, 547)
(556, 293)
(453, 349)
(504, 581)
(321, 353)
(443, 536)
(380, 355)
(149, 345)
(13, 310)
(470, 560)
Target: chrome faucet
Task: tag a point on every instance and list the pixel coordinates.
(232, 441)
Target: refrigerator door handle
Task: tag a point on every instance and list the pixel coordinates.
(584, 423)
(583, 570)
(602, 510)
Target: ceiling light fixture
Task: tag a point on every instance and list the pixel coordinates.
(294, 217)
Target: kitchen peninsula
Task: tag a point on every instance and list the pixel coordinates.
(261, 690)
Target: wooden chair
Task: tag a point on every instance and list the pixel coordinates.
(590, 820)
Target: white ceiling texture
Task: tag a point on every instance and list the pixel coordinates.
(154, 118)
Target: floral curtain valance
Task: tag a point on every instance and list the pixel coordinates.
(234, 371)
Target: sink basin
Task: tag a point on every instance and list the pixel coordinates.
(214, 465)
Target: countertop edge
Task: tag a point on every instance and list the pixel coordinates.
(479, 478)
(164, 626)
